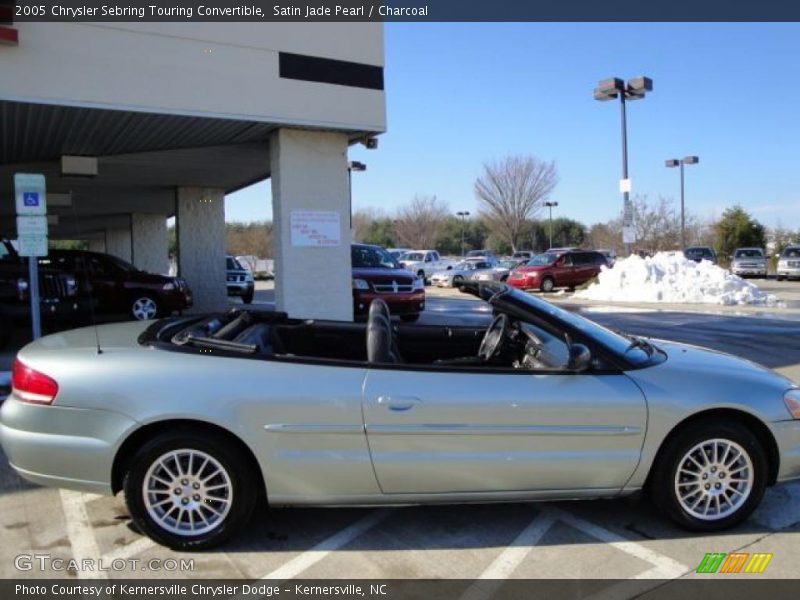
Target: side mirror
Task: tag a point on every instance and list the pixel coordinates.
(579, 358)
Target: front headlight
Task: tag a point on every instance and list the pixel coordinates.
(360, 284)
(419, 284)
(168, 286)
(792, 401)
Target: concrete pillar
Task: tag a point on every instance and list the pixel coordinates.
(118, 243)
(200, 225)
(309, 174)
(149, 233)
(97, 245)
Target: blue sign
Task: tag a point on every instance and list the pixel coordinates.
(30, 198)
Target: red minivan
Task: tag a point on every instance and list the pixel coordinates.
(550, 270)
(377, 274)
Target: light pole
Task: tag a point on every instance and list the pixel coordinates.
(674, 162)
(463, 214)
(353, 165)
(635, 89)
(550, 205)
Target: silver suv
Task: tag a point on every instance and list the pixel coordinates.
(239, 280)
(789, 263)
(749, 261)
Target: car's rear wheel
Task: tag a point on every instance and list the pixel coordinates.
(144, 307)
(710, 476)
(457, 280)
(247, 297)
(548, 284)
(780, 278)
(189, 492)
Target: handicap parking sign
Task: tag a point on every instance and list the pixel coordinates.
(31, 194)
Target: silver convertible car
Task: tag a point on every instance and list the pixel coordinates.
(196, 419)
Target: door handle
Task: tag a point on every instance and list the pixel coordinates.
(398, 403)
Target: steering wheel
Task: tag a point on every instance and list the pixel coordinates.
(494, 337)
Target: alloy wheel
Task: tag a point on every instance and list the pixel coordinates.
(187, 492)
(144, 308)
(714, 479)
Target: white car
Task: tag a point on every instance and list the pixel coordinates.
(749, 261)
(789, 263)
(424, 263)
(466, 270)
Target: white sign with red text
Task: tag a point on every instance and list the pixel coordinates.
(316, 228)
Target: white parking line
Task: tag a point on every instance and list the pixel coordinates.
(664, 566)
(80, 532)
(129, 550)
(310, 557)
(504, 565)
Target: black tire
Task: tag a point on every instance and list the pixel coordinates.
(242, 479)
(504, 278)
(409, 318)
(421, 275)
(548, 285)
(247, 297)
(457, 280)
(143, 304)
(780, 278)
(663, 476)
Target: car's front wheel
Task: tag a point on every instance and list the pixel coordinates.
(548, 285)
(189, 492)
(247, 297)
(144, 307)
(710, 476)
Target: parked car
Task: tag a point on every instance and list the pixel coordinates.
(376, 274)
(239, 280)
(749, 261)
(198, 418)
(498, 271)
(461, 272)
(116, 286)
(611, 255)
(484, 253)
(550, 270)
(397, 252)
(424, 263)
(523, 254)
(58, 293)
(789, 263)
(700, 253)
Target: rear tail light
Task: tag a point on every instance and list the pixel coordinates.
(32, 386)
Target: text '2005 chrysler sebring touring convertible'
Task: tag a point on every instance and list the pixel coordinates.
(196, 418)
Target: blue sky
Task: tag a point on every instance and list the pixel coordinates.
(462, 94)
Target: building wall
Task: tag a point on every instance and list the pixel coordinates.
(206, 69)
(149, 239)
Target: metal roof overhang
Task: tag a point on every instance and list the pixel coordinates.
(142, 158)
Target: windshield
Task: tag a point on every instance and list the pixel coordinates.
(548, 258)
(119, 263)
(231, 264)
(415, 256)
(699, 253)
(791, 253)
(507, 264)
(749, 253)
(617, 343)
(372, 258)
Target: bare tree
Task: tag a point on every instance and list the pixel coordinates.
(363, 219)
(419, 223)
(511, 191)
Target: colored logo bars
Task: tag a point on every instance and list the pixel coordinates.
(735, 562)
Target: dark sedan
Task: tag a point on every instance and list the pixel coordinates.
(116, 286)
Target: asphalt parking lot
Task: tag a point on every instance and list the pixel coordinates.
(616, 539)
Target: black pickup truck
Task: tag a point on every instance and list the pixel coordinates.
(58, 293)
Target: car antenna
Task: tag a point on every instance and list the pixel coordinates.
(85, 273)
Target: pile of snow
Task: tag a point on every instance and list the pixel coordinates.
(670, 277)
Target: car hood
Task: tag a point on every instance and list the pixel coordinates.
(378, 274)
(689, 358)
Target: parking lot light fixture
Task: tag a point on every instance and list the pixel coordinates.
(674, 162)
(634, 89)
(463, 214)
(353, 165)
(550, 205)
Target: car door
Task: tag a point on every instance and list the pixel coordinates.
(459, 431)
